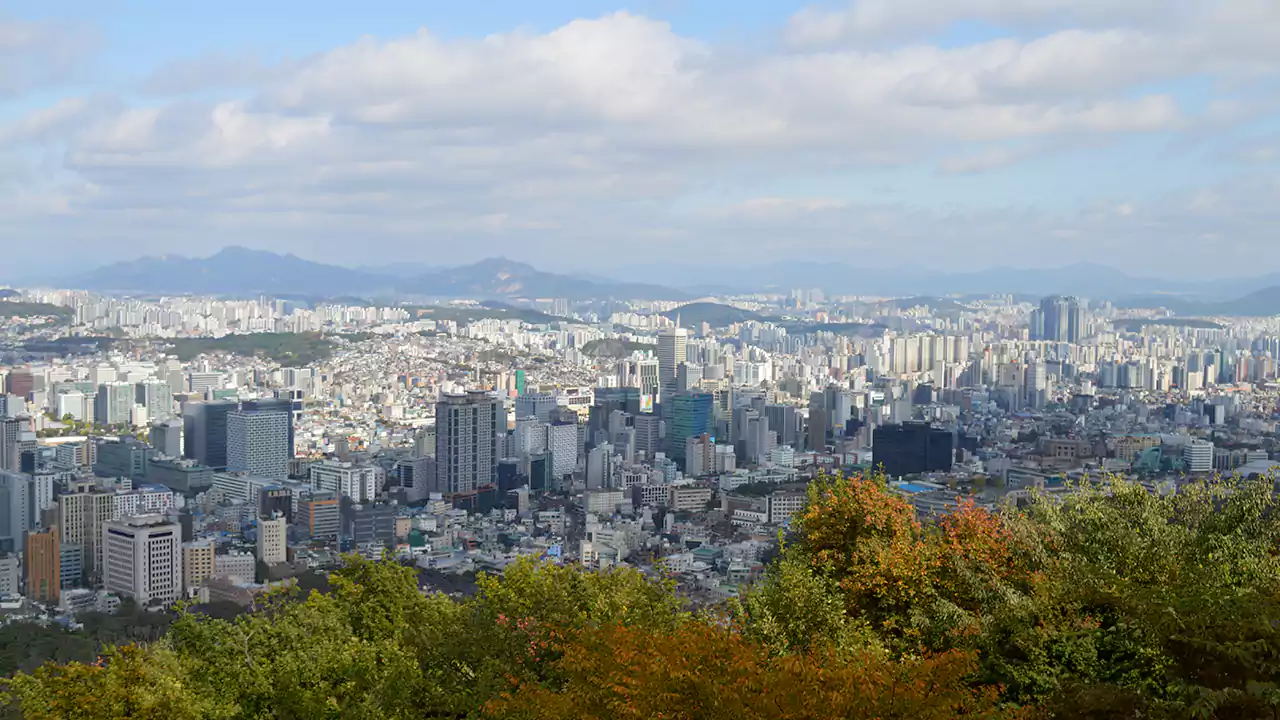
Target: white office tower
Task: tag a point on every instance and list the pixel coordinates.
(73, 403)
(142, 558)
(258, 443)
(1198, 456)
(358, 482)
(673, 349)
(272, 539)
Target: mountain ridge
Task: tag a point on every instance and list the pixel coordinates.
(240, 271)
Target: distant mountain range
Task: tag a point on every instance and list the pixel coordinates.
(231, 271)
(1259, 303)
(242, 272)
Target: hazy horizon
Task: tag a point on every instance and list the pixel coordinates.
(949, 136)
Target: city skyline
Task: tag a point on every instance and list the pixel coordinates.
(975, 133)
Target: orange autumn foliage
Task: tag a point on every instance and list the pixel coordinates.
(706, 672)
(872, 543)
(892, 569)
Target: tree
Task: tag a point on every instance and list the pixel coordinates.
(1107, 602)
(1107, 599)
(708, 672)
(127, 682)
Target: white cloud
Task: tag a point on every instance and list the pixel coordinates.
(595, 132)
(37, 54)
(871, 20)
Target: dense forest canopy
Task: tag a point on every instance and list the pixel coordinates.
(1110, 602)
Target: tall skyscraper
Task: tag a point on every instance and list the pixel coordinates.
(691, 415)
(43, 564)
(204, 432)
(673, 349)
(467, 435)
(648, 429)
(258, 443)
(1059, 319)
(142, 558)
(286, 403)
(819, 422)
(16, 510)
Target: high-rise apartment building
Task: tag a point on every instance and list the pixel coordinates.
(673, 349)
(81, 517)
(43, 560)
(142, 559)
(1059, 319)
(258, 443)
(468, 427)
(197, 564)
(11, 431)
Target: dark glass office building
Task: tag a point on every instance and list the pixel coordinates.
(912, 448)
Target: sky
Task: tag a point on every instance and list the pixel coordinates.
(589, 136)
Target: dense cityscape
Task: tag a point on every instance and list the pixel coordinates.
(674, 438)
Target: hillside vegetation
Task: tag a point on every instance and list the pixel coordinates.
(12, 308)
(615, 347)
(717, 315)
(289, 349)
(1106, 604)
